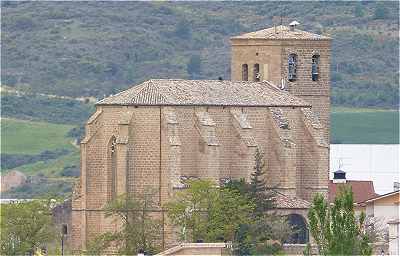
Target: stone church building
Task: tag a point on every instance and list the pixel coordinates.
(163, 131)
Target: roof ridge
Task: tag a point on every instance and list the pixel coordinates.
(205, 92)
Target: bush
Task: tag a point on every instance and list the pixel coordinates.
(70, 171)
(24, 23)
(9, 161)
(194, 66)
(40, 108)
(359, 11)
(380, 12)
(183, 30)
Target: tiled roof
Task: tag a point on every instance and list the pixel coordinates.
(362, 190)
(286, 202)
(281, 33)
(379, 197)
(204, 92)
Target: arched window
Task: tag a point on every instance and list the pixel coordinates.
(292, 67)
(256, 72)
(245, 72)
(113, 167)
(299, 227)
(315, 68)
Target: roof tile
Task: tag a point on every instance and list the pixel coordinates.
(281, 33)
(204, 92)
(362, 190)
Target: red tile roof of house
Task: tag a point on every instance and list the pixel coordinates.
(362, 190)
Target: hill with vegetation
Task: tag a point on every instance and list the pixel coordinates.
(99, 48)
(55, 53)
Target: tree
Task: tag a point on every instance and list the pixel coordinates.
(336, 229)
(139, 231)
(258, 191)
(26, 227)
(194, 66)
(183, 29)
(258, 236)
(380, 12)
(205, 212)
(359, 10)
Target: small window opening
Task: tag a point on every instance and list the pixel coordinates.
(64, 230)
(245, 72)
(315, 67)
(292, 67)
(256, 71)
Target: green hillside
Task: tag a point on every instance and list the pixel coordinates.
(30, 138)
(43, 152)
(364, 126)
(95, 49)
(98, 48)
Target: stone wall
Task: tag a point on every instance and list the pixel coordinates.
(157, 147)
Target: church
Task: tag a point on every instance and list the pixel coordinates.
(164, 131)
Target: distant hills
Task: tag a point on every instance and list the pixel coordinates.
(99, 48)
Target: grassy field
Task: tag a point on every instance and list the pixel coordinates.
(25, 137)
(364, 126)
(52, 168)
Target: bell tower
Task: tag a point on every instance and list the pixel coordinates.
(292, 59)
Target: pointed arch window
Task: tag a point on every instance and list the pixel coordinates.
(256, 72)
(315, 67)
(245, 72)
(113, 167)
(292, 67)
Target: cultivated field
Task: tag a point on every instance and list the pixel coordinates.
(31, 138)
(364, 126)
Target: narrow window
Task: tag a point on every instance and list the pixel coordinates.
(292, 67)
(245, 72)
(113, 169)
(256, 72)
(315, 67)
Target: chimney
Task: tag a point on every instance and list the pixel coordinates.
(293, 25)
(339, 176)
(396, 186)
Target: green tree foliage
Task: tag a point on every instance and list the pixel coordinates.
(139, 230)
(205, 212)
(194, 66)
(48, 47)
(26, 227)
(380, 12)
(183, 29)
(266, 232)
(41, 108)
(336, 229)
(258, 191)
(359, 10)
